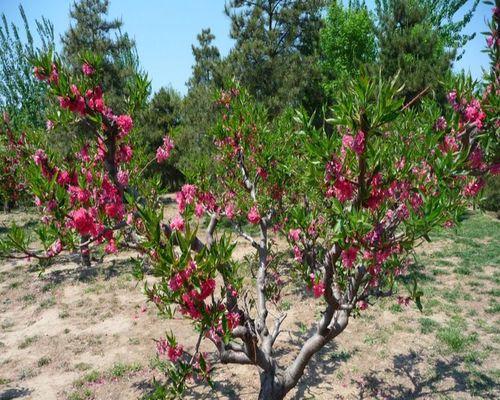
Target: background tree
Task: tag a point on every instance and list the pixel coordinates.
(276, 47)
(420, 40)
(21, 94)
(347, 42)
(90, 31)
(206, 60)
(162, 115)
(208, 74)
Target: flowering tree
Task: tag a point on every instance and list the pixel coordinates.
(352, 205)
(82, 198)
(11, 154)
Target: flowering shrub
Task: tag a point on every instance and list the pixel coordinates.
(82, 198)
(12, 154)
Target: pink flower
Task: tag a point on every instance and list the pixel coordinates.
(318, 289)
(349, 256)
(83, 221)
(176, 282)
(189, 193)
(124, 153)
(342, 189)
(55, 249)
(229, 210)
(476, 159)
(207, 288)
(174, 353)
(125, 124)
(49, 125)
(111, 247)
(63, 178)
(356, 143)
(440, 124)
(473, 187)
(448, 224)
(163, 152)
(162, 155)
(54, 75)
(40, 157)
(253, 216)
(450, 144)
(87, 69)
(490, 40)
(363, 305)
(297, 254)
(39, 73)
(318, 286)
(294, 234)
(177, 223)
(122, 177)
(199, 210)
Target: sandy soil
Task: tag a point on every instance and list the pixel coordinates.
(57, 327)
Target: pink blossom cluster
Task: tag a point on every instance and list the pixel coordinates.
(173, 353)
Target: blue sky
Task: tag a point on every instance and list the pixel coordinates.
(164, 31)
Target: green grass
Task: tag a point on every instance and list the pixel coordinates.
(454, 338)
(28, 341)
(427, 325)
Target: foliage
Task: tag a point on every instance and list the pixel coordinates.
(21, 95)
(347, 43)
(277, 40)
(419, 40)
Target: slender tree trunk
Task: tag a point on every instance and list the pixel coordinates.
(85, 253)
(271, 387)
(6, 206)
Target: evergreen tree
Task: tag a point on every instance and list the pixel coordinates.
(420, 40)
(21, 94)
(207, 60)
(276, 50)
(90, 31)
(347, 42)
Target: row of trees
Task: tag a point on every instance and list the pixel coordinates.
(281, 40)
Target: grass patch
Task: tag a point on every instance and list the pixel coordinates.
(28, 341)
(454, 337)
(42, 362)
(427, 325)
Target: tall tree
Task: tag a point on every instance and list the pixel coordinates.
(21, 94)
(347, 42)
(206, 60)
(276, 48)
(90, 31)
(420, 40)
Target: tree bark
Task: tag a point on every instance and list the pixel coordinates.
(6, 206)
(271, 387)
(85, 253)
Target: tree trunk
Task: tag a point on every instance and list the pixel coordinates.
(85, 253)
(6, 206)
(271, 387)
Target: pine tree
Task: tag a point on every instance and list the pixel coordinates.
(420, 40)
(276, 50)
(207, 60)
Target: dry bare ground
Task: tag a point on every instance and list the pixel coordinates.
(75, 334)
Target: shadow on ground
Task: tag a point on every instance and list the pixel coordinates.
(428, 384)
(16, 393)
